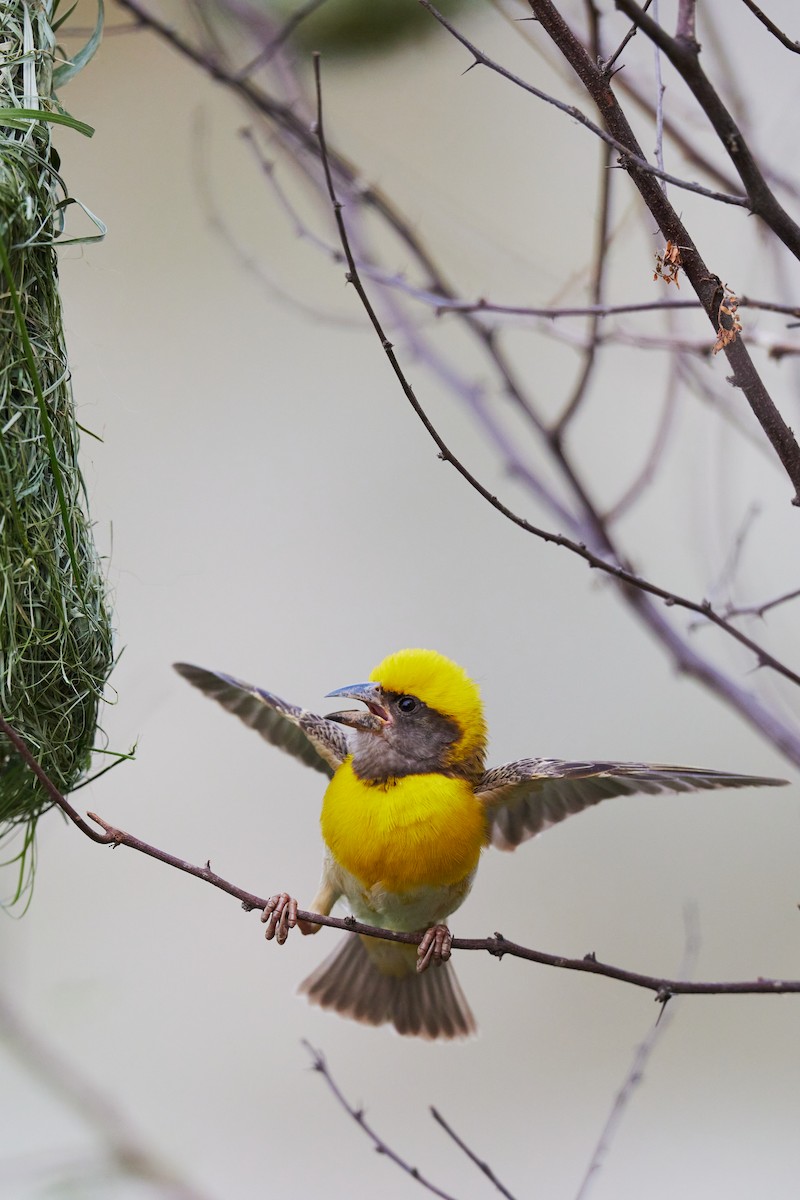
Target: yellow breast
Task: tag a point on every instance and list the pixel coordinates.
(415, 831)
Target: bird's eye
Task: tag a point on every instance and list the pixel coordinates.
(407, 704)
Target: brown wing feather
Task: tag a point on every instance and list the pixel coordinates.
(526, 797)
(316, 742)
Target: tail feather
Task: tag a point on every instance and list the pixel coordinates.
(384, 987)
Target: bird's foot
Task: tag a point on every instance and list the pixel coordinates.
(280, 916)
(434, 947)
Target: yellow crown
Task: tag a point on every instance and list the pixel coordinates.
(441, 684)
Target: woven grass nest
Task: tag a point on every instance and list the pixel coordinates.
(55, 626)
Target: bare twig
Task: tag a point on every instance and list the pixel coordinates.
(703, 347)
(791, 310)
(783, 38)
(471, 394)
(642, 1055)
(598, 279)
(659, 106)
(649, 467)
(642, 174)
(293, 129)
(319, 1064)
(758, 610)
(550, 311)
(683, 53)
(609, 62)
(783, 737)
(701, 278)
(471, 1155)
(618, 572)
(632, 158)
(284, 33)
(243, 252)
(443, 306)
(726, 578)
(685, 26)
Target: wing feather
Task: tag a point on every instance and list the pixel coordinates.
(315, 741)
(526, 797)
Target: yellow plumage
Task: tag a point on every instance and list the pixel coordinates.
(415, 831)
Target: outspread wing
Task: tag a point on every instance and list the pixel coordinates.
(318, 743)
(526, 797)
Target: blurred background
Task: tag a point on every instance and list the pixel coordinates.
(270, 506)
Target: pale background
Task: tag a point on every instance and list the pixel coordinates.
(275, 510)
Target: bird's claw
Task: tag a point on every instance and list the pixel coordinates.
(435, 947)
(280, 915)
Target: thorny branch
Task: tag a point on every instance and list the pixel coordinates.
(635, 158)
(592, 542)
(498, 946)
(643, 175)
(684, 54)
(620, 573)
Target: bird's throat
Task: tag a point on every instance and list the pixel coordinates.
(420, 830)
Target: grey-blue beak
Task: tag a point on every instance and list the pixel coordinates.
(372, 721)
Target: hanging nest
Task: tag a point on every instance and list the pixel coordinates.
(55, 629)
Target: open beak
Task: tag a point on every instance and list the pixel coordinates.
(374, 720)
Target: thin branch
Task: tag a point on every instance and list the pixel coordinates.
(785, 738)
(675, 131)
(609, 62)
(297, 130)
(726, 578)
(549, 311)
(299, 136)
(291, 123)
(283, 35)
(553, 311)
(643, 1054)
(790, 310)
(620, 573)
(758, 610)
(471, 1155)
(673, 127)
(498, 946)
(631, 158)
(683, 53)
(685, 27)
(660, 89)
(471, 394)
(783, 38)
(641, 1057)
(319, 1064)
(649, 467)
(701, 278)
(598, 280)
(242, 251)
(774, 348)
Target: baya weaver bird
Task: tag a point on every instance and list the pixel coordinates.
(408, 810)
